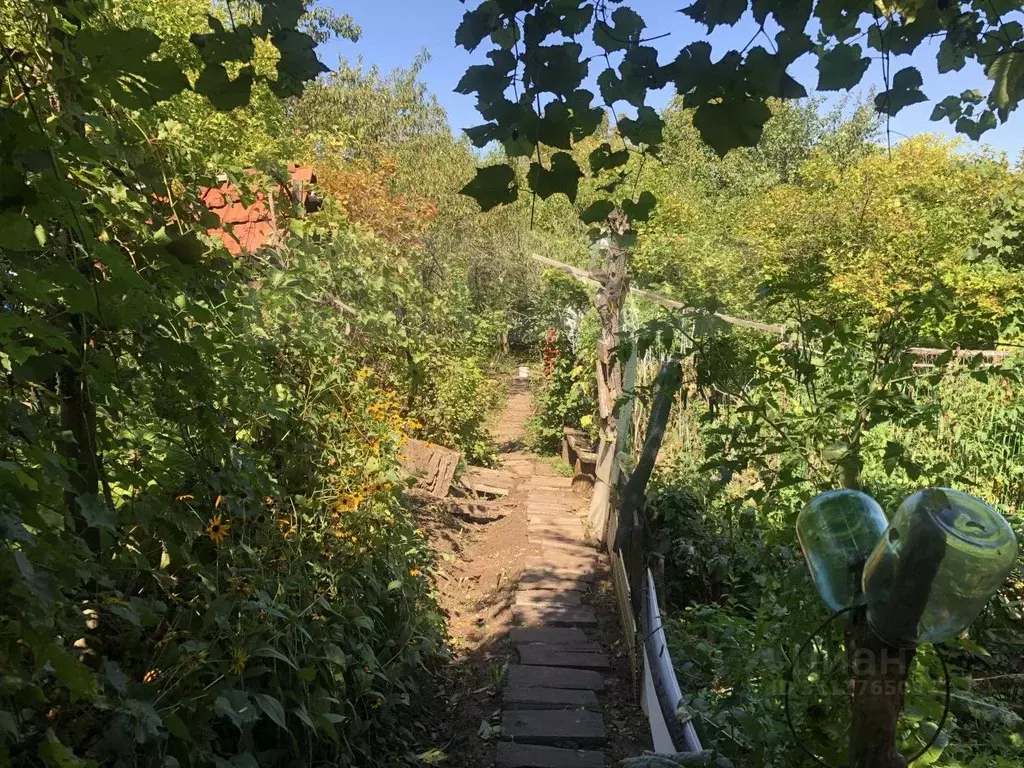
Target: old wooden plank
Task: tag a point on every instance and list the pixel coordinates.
(524, 676)
(553, 615)
(492, 482)
(533, 580)
(546, 656)
(584, 646)
(547, 597)
(549, 635)
(511, 755)
(550, 698)
(571, 567)
(432, 466)
(555, 727)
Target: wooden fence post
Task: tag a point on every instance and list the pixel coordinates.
(609, 302)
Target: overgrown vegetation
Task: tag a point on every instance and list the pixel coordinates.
(206, 554)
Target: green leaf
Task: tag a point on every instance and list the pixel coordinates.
(17, 232)
(176, 727)
(1007, 73)
(603, 158)
(949, 109)
(974, 129)
(597, 212)
(298, 63)
(731, 124)
(271, 708)
(647, 128)
(556, 69)
(562, 177)
(493, 186)
(841, 68)
(74, 675)
(224, 93)
(476, 25)
(56, 755)
(622, 33)
(7, 723)
(642, 208)
(952, 56)
(715, 12)
(556, 126)
(905, 90)
(222, 46)
(335, 655)
(586, 118)
(273, 653)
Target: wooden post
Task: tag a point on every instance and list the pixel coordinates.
(878, 688)
(609, 300)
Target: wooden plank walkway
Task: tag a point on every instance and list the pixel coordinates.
(551, 715)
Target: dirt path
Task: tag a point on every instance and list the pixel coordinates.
(500, 567)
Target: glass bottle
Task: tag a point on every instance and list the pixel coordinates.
(945, 554)
(837, 532)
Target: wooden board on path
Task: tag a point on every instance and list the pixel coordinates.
(548, 635)
(553, 615)
(510, 755)
(550, 698)
(547, 656)
(520, 676)
(488, 482)
(432, 466)
(579, 728)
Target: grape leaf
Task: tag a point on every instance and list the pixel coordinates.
(563, 176)
(493, 186)
(642, 208)
(476, 25)
(622, 34)
(730, 124)
(714, 12)
(905, 90)
(603, 158)
(597, 212)
(225, 94)
(647, 128)
(841, 68)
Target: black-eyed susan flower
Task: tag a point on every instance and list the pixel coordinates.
(217, 529)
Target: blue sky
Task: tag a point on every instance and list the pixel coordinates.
(395, 30)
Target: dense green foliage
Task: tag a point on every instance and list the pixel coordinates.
(206, 555)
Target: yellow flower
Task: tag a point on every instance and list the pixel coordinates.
(152, 676)
(414, 572)
(349, 502)
(217, 529)
(238, 659)
(355, 539)
(418, 531)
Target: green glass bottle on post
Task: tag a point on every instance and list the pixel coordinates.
(837, 532)
(942, 558)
